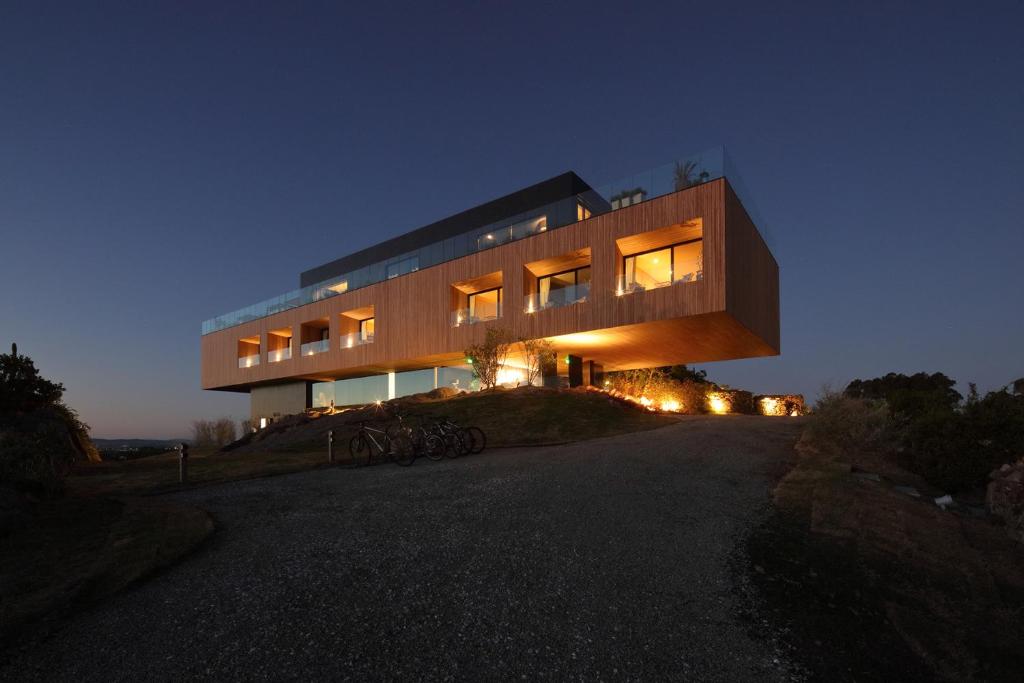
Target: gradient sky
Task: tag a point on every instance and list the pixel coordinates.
(164, 163)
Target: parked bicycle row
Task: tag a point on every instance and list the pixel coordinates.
(402, 441)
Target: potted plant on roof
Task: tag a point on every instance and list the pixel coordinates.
(626, 198)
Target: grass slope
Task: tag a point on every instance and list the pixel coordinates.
(515, 417)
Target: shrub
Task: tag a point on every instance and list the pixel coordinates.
(840, 423)
(37, 452)
(956, 450)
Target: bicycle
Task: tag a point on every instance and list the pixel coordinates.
(461, 440)
(392, 443)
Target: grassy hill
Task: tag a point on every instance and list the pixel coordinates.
(513, 417)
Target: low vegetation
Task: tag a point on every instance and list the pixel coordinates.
(922, 423)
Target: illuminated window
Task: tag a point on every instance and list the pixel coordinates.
(340, 287)
(682, 262)
(366, 330)
(562, 289)
(582, 212)
(485, 305)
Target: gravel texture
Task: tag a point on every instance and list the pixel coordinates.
(608, 559)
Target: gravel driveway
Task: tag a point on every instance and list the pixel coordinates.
(608, 559)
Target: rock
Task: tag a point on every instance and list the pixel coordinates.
(1005, 498)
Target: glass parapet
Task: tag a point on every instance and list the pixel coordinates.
(249, 361)
(678, 175)
(355, 339)
(315, 347)
(462, 316)
(279, 355)
(556, 298)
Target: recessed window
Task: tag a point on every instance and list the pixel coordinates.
(485, 305)
(562, 289)
(675, 263)
(582, 212)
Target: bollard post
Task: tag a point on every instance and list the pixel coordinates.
(330, 446)
(182, 463)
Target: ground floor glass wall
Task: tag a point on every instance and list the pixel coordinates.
(362, 390)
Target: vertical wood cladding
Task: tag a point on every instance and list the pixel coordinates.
(413, 312)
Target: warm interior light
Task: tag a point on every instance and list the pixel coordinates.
(340, 288)
(490, 237)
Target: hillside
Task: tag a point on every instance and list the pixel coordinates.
(510, 417)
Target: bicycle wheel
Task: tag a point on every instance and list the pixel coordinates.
(359, 450)
(456, 444)
(401, 449)
(478, 439)
(433, 447)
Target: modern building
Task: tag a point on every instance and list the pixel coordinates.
(666, 267)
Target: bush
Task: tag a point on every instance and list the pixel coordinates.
(37, 452)
(657, 385)
(40, 437)
(839, 423)
(956, 450)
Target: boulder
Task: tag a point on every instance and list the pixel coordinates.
(1005, 497)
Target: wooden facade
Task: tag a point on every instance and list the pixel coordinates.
(733, 312)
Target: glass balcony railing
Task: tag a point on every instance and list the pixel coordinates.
(279, 355)
(556, 298)
(678, 175)
(249, 361)
(628, 285)
(461, 316)
(315, 347)
(355, 339)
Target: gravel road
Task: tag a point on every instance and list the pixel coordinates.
(608, 559)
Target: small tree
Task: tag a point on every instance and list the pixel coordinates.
(539, 353)
(202, 434)
(224, 431)
(490, 356)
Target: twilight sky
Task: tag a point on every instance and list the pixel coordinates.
(162, 164)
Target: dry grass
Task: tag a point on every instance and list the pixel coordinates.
(79, 550)
(515, 417)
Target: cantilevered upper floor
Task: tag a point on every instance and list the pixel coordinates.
(666, 267)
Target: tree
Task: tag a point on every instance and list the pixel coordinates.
(22, 389)
(490, 356)
(909, 396)
(538, 353)
(682, 373)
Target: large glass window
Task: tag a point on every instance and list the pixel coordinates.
(366, 330)
(660, 267)
(561, 289)
(485, 305)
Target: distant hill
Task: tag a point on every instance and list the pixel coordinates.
(117, 444)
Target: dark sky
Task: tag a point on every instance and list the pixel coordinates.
(164, 163)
